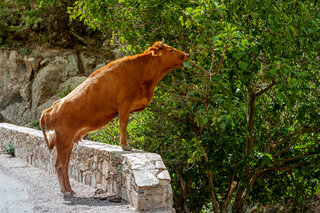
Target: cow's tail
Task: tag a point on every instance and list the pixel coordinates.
(42, 126)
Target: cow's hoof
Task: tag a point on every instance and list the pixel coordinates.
(126, 148)
(68, 194)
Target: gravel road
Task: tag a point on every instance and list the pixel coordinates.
(25, 188)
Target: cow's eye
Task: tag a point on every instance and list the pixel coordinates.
(171, 50)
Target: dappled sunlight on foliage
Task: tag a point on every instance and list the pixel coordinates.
(240, 124)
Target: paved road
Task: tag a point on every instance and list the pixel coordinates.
(25, 188)
(13, 196)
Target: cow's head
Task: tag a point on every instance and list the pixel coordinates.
(169, 56)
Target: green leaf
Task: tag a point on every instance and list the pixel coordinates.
(243, 65)
(187, 65)
(214, 39)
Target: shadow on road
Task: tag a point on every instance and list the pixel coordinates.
(94, 201)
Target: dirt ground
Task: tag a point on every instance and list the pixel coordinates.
(25, 188)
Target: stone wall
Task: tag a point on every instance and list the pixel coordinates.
(139, 177)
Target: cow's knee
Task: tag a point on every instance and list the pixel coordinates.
(60, 170)
(58, 166)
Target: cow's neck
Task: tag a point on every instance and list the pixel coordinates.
(151, 74)
(149, 84)
(153, 71)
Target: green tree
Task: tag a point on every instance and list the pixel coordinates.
(29, 22)
(240, 124)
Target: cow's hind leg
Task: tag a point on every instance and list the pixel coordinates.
(64, 148)
(66, 175)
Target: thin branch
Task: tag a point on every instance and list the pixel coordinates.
(256, 174)
(232, 179)
(294, 158)
(157, 28)
(298, 134)
(220, 65)
(181, 181)
(249, 145)
(144, 23)
(212, 194)
(253, 178)
(234, 171)
(183, 188)
(284, 168)
(267, 88)
(260, 171)
(212, 58)
(198, 48)
(286, 149)
(189, 183)
(306, 147)
(281, 141)
(197, 66)
(78, 37)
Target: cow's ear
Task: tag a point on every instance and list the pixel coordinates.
(154, 50)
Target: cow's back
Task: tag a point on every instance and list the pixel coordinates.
(94, 100)
(97, 99)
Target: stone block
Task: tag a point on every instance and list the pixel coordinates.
(105, 168)
(124, 194)
(164, 175)
(128, 183)
(144, 178)
(160, 165)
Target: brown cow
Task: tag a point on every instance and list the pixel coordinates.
(123, 86)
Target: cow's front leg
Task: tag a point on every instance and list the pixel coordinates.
(123, 122)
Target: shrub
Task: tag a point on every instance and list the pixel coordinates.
(34, 125)
(10, 150)
(65, 92)
(27, 22)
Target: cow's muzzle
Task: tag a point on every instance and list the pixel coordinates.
(186, 57)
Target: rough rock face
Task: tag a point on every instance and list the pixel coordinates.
(70, 83)
(46, 83)
(15, 74)
(31, 83)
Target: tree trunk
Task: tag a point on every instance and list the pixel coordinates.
(236, 207)
(225, 204)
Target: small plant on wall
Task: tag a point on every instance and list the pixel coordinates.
(65, 92)
(9, 149)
